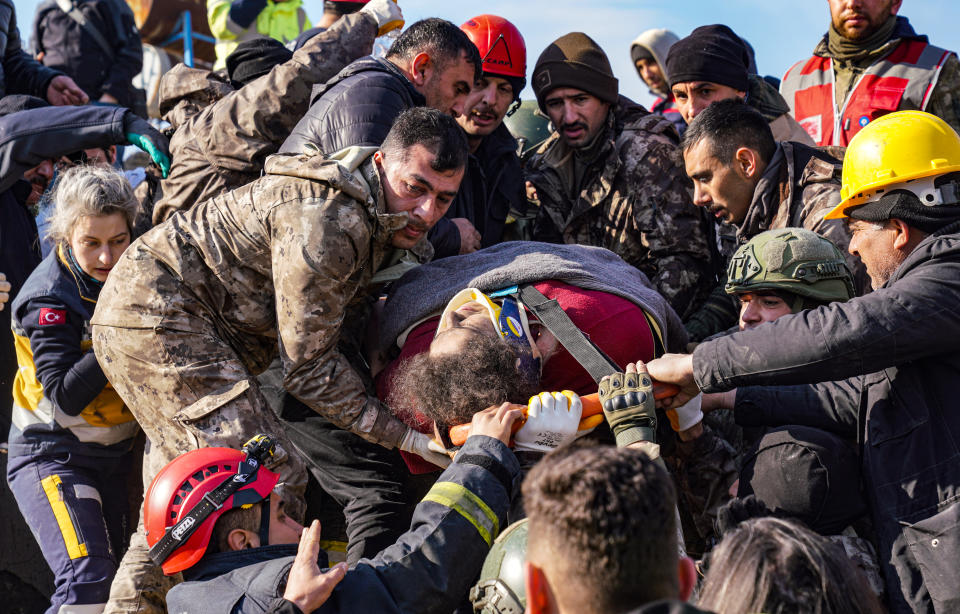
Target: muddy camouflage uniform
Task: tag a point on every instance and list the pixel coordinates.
(629, 194)
(200, 304)
(224, 135)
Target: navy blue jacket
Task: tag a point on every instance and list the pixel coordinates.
(19, 73)
(61, 400)
(356, 107)
(28, 138)
(888, 364)
(429, 570)
(492, 185)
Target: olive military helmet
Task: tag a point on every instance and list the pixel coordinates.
(528, 126)
(793, 260)
(501, 588)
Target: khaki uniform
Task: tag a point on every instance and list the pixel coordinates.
(631, 197)
(767, 100)
(223, 136)
(200, 304)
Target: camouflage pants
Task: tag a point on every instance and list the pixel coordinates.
(188, 390)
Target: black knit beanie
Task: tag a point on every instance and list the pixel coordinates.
(255, 58)
(711, 53)
(574, 60)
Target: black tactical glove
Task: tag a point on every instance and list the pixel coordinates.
(628, 404)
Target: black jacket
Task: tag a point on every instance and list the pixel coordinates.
(68, 48)
(356, 107)
(492, 185)
(429, 569)
(895, 356)
(19, 73)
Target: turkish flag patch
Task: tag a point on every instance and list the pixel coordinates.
(49, 317)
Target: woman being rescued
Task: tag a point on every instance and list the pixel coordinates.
(71, 435)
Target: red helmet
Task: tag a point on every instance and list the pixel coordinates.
(183, 484)
(501, 46)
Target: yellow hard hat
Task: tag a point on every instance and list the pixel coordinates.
(895, 149)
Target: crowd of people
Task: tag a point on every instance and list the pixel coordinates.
(561, 355)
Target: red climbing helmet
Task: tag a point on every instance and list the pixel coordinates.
(501, 46)
(186, 498)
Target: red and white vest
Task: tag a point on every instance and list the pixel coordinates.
(901, 81)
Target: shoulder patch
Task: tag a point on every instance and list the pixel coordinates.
(50, 317)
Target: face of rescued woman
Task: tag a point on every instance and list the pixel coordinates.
(98, 241)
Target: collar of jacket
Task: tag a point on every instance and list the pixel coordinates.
(943, 244)
(901, 30)
(780, 182)
(218, 563)
(498, 143)
(87, 286)
(353, 172)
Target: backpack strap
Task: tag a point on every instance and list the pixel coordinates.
(586, 352)
(73, 11)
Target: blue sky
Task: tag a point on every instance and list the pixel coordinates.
(781, 31)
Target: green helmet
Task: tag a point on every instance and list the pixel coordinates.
(793, 260)
(501, 588)
(528, 126)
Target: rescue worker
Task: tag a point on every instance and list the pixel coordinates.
(234, 21)
(23, 75)
(608, 177)
(648, 52)
(750, 182)
(202, 302)
(886, 360)
(33, 136)
(493, 182)
(71, 443)
(222, 144)
(97, 43)
(712, 64)
(429, 569)
(777, 272)
(869, 63)
(432, 63)
(615, 508)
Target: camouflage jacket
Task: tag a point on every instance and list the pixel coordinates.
(282, 259)
(223, 136)
(633, 199)
(798, 188)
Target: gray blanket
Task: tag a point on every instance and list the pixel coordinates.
(427, 289)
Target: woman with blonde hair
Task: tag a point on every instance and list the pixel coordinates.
(71, 439)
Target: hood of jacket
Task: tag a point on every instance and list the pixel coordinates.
(186, 91)
(353, 172)
(363, 65)
(793, 166)
(766, 99)
(657, 42)
(943, 243)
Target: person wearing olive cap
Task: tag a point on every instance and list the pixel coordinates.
(608, 177)
(713, 64)
(882, 366)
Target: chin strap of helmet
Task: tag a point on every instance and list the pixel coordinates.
(257, 450)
